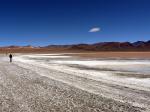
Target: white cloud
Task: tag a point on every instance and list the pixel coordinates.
(96, 29)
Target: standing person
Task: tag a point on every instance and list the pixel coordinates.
(10, 56)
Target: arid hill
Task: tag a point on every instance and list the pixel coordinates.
(101, 46)
(114, 46)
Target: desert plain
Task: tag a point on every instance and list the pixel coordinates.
(75, 82)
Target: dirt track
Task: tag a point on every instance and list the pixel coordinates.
(24, 90)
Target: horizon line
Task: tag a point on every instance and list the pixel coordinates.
(25, 45)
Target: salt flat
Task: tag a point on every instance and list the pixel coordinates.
(60, 83)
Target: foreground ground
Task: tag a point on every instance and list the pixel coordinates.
(31, 86)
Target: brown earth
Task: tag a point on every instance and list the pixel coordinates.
(80, 53)
(145, 55)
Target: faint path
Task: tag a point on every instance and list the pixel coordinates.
(23, 90)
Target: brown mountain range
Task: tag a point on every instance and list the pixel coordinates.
(110, 46)
(102, 46)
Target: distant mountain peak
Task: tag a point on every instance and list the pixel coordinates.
(100, 46)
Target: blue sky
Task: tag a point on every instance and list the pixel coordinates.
(43, 22)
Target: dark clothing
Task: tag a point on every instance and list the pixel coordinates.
(10, 56)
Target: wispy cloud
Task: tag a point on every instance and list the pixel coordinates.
(96, 29)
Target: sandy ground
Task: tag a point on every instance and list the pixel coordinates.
(55, 83)
(145, 55)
